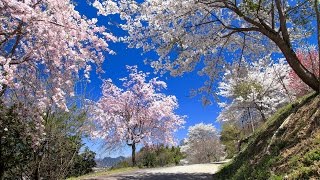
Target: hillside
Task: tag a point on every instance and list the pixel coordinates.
(109, 161)
(287, 146)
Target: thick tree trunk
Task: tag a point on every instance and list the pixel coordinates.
(306, 76)
(285, 46)
(133, 155)
(283, 42)
(316, 7)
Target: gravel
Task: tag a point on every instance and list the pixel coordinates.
(194, 168)
(186, 172)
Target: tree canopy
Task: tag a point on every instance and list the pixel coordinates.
(213, 31)
(137, 114)
(202, 144)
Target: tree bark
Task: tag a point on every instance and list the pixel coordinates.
(251, 120)
(35, 174)
(306, 76)
(283, 42)
(133, 155)
(316, 7)
(1, 162)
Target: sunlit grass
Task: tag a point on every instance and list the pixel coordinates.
(104, 173)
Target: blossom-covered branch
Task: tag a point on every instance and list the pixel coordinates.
(44, 44)
(215, 31)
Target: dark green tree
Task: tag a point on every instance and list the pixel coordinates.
(83, 163)
(159, 155)
(15, 145)
(230, 137)
(57, 154)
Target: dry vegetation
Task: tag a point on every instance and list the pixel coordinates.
(286, 147)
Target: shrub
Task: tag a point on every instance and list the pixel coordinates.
(311, 157)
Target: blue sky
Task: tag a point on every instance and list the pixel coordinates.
(115, 68)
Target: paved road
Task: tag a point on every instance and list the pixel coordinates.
(187, 172)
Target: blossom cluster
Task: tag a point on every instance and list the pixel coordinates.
(202, 144)
(259, 88)
(139, 113)
(309, 57)
(44, 44)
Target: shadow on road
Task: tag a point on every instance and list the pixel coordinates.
(161, 176)
(188, 172)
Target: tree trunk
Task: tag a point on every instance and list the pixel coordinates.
(1, 162)
(37, 160)
(316, 2)
(306, 76)
(35, 174)
(284, 44)
(251, 120)
(133, 155)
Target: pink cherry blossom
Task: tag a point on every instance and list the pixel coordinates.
(308, 56)
(136, 114)
(43, 46)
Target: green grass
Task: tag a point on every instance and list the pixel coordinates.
(104, 173)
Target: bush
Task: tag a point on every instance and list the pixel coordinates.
(149, 159)
(311, 157)
(122, 164)
(83, 163)
(56, 156)
(15, 146)
(154, 156)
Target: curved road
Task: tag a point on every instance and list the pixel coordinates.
(187, 172)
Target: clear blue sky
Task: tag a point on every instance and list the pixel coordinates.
(115, 68)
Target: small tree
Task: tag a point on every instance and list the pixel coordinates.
(252, 92)
(63, 140)
(230, 136)
(137, 115)
(202, 144)
(159, 155)
(53, 158)
(83, 163)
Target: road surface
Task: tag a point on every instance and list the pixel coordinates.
(187, 172)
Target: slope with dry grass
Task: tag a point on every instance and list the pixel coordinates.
(287, 146)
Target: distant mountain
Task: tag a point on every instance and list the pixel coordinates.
(109, 161)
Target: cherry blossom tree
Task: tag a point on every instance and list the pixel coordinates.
(253, 92)
(44, 44)
(185, 32)
(309, 57)
(202, 144)
(137, 114)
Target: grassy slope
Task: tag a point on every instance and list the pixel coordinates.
(293, 153)
(103, 173)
